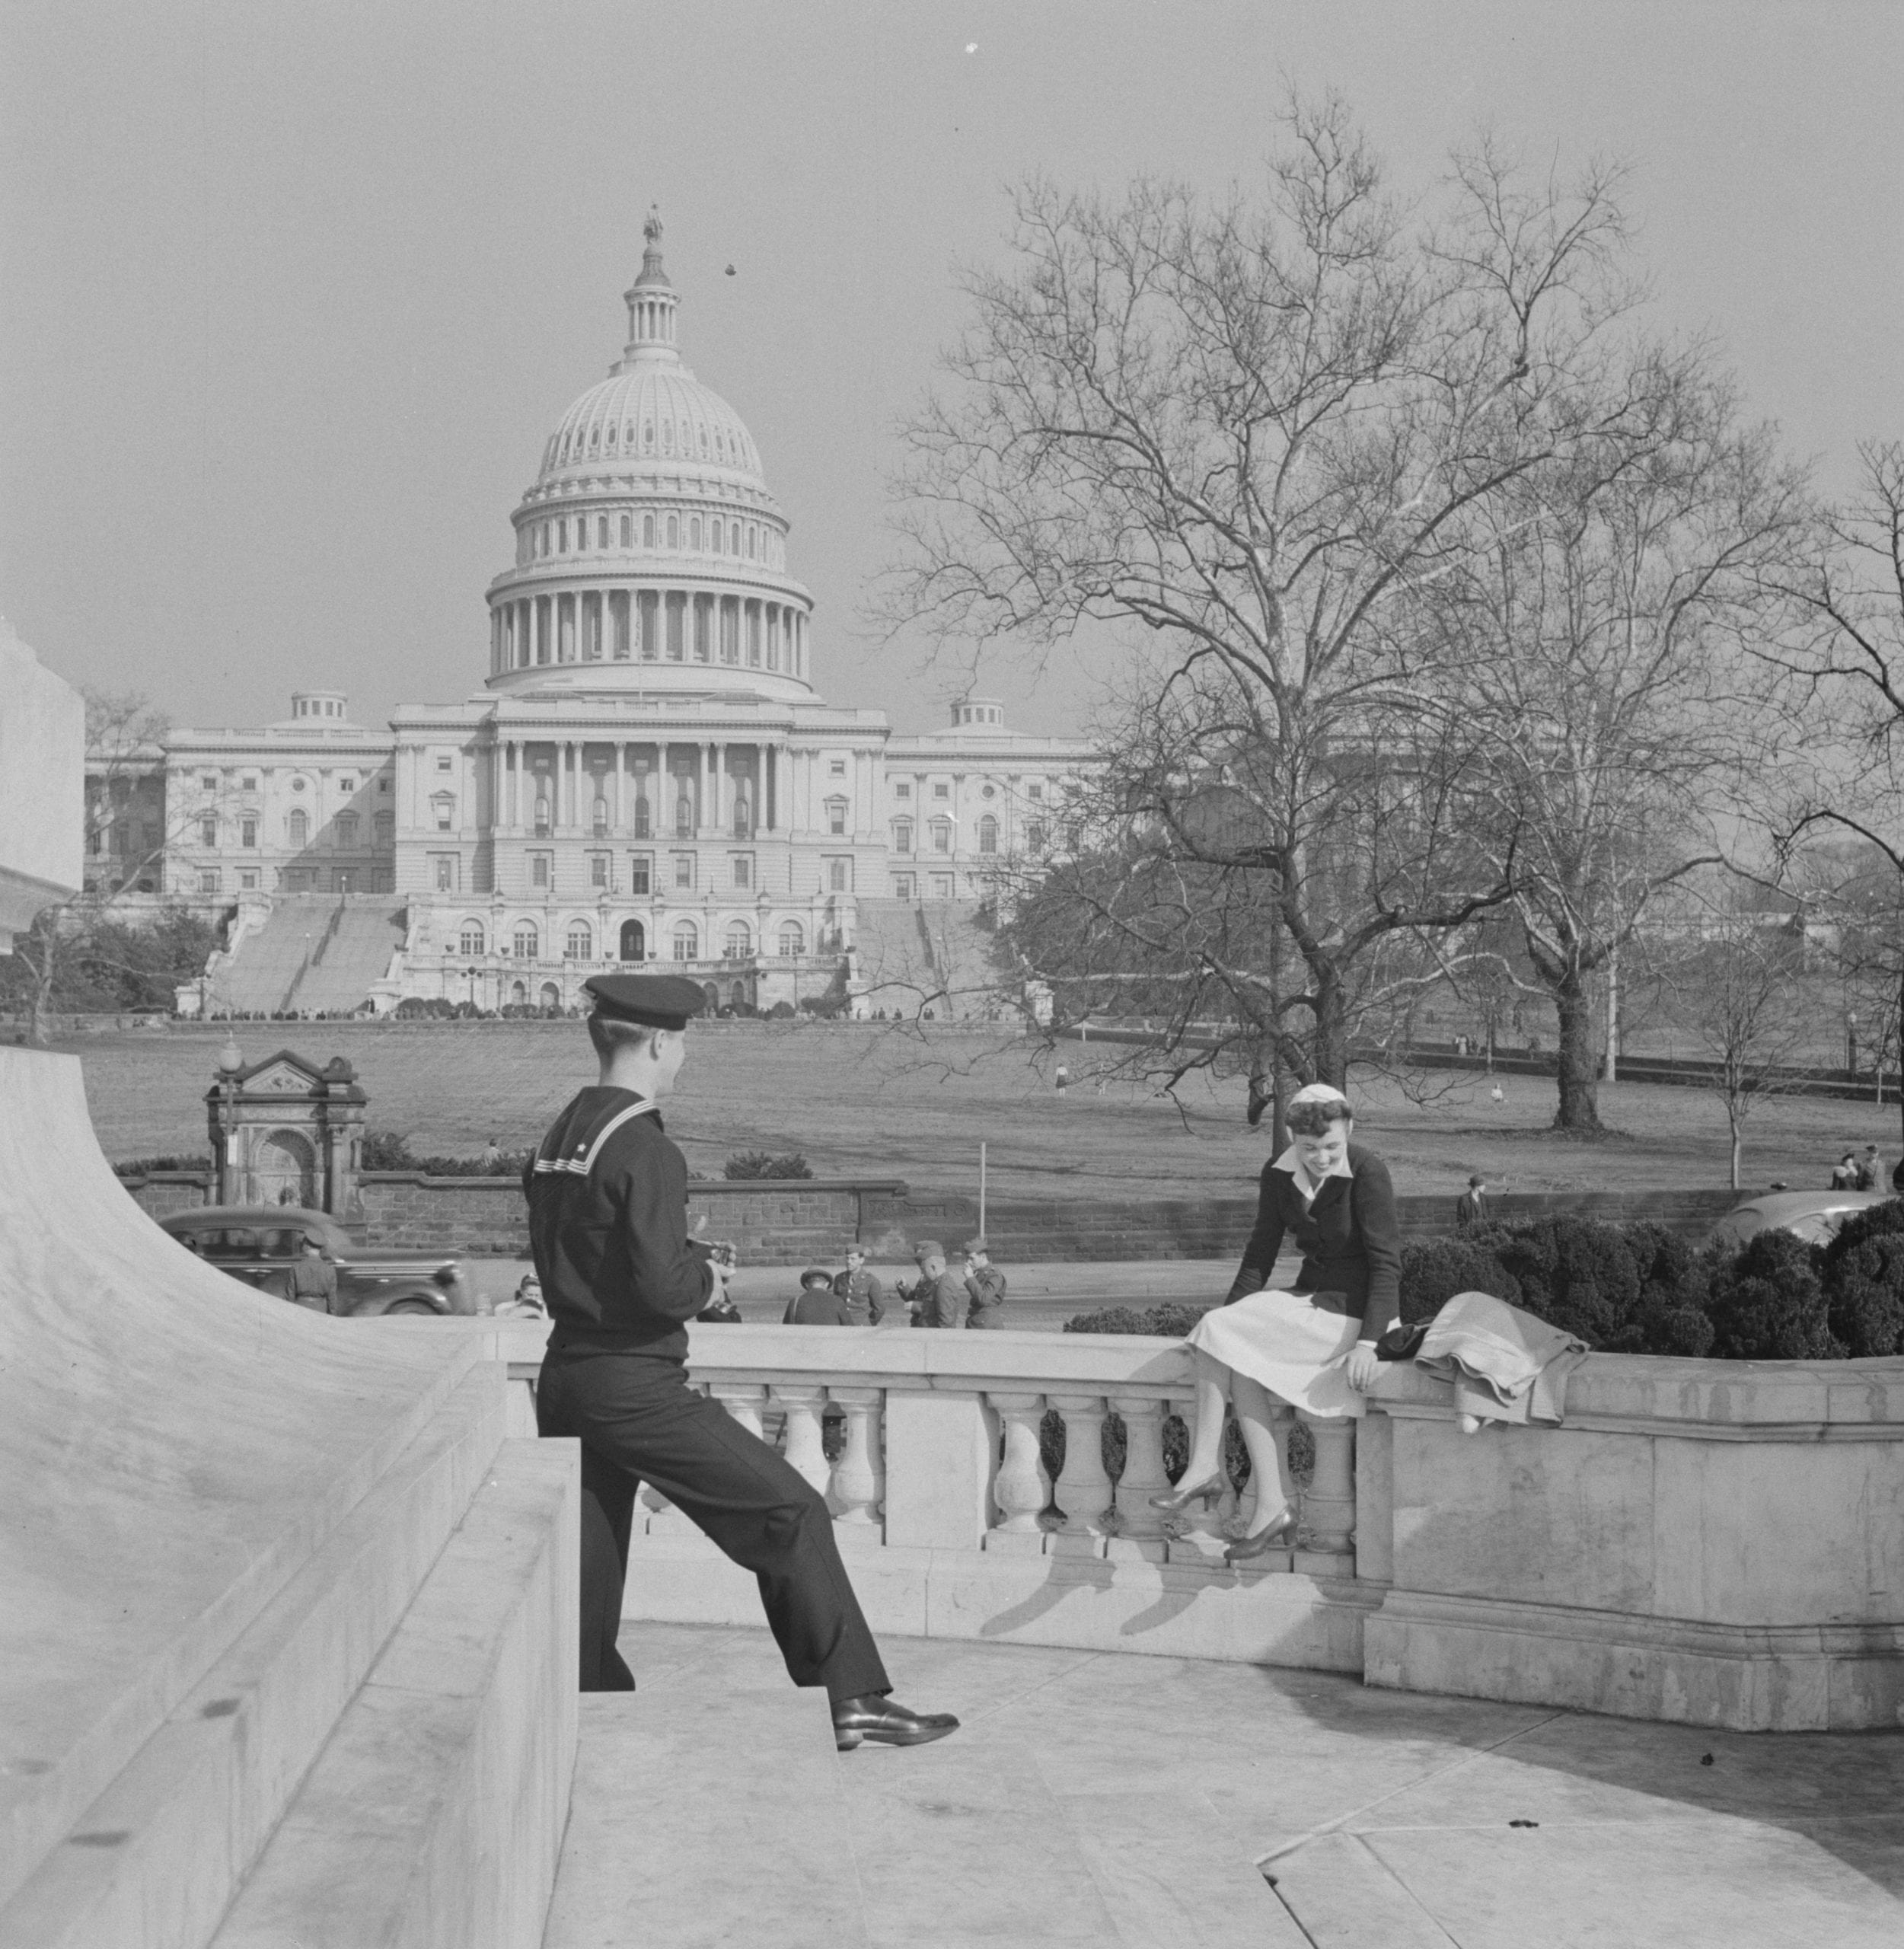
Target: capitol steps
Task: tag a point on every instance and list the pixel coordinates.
(315, 952)
(916, 955)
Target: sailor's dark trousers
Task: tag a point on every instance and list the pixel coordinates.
(638, 1421)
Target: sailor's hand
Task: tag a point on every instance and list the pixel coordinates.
(1361, 1366)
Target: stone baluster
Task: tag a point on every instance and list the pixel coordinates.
(1198, 1534)
(805, 1448)
(1022, 1489)
(1329, 1506)
(742, 1400)
(857, 1477)
(1143, 1473)
(1083, 1488)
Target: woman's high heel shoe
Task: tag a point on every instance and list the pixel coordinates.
(1279, 1535)
(1207, 1492)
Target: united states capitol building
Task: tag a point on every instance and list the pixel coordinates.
(649, 772)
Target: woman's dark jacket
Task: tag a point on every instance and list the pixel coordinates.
(1350, 1244)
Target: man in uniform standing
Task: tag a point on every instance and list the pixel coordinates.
(984, 1286)
(937, 1299)
(865, 1296)
(314, 1279)
(608, 1197)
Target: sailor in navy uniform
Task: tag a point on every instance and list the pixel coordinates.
(608, 1197)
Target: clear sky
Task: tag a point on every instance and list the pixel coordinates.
(292, 294)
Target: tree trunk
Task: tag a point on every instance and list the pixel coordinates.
(1331, 1032)
(1736, 1147)
(1579, 1059)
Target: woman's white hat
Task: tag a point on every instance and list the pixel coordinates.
(1317, 1092)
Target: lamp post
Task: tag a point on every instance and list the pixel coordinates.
(1851, 1042)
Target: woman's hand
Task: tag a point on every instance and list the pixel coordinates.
(1361, 1366)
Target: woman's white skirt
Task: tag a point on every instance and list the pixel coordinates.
(1293, 1346)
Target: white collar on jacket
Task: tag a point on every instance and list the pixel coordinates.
(1291, 1161)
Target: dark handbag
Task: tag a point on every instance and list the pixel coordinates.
(1402, 1342)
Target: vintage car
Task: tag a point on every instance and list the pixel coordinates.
(259, 1244)
(1813, 1216)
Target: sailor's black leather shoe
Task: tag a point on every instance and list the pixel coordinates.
(886, 1722)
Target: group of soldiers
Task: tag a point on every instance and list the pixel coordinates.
(975, 1297)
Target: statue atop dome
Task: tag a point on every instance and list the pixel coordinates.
(651, 228)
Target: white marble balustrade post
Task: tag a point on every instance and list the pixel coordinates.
(1021, 1489)
(805, 1448)
(1083, 1488)
(856, 1475)
(1197, 1535)
(742, 1400)
(1143, 1473)
(1329, 1506)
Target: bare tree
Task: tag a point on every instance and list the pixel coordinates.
(122, 730)
(1597, 622)
(1842, 648)
(1736, 994)
(1248, 427)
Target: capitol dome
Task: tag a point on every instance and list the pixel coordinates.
(649, 538)
(657, 413)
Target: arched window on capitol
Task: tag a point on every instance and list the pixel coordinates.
(580, 945)
(298, 827)
(740, 942)
(792, 940)
(471, 940)
(527, 942)
(634, 941)
(688, 942)
(988, 835)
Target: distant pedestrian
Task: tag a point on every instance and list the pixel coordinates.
(1844, 1175)
(936, 1299)
(865, 1296)
(526, 1302)
(314, 1279)
(1063, 1078)
(1870, 1169)
(816, 1303)
(492, 1157)
(984, 1286)
(1471, 1208)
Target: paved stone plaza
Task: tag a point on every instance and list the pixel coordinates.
(1112, 1799)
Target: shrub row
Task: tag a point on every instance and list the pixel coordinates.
(764, 1164)
(1637, 1289)
(1640, 1289)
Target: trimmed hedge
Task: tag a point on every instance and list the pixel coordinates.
(1639, 1289)
(764, 1164)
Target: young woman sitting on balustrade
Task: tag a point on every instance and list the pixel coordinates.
(1312, 1347)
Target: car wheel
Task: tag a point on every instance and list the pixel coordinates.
(411, 1306)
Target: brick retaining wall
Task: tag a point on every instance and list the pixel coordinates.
(792, 1221)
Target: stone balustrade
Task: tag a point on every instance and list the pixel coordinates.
(1707, 1541)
